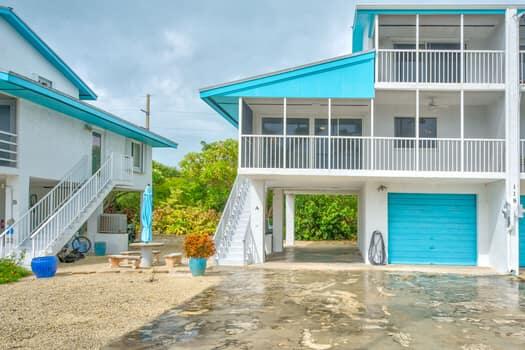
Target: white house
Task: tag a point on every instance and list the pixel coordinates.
(59, 156)
(421, 122)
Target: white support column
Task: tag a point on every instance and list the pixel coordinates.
(376, 46)
(284, 132)
(512, 135)
(278, 206)
(372, 141)
(462, 92)
(462, 127)
(329, 133)
(290, 219)
(240, 133)
(257, 202)
(417, 129)
(17, 196)
(417, 48)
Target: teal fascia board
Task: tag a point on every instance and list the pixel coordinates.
(27, 89)
(364, 19)
(349, 76)
(85, 93)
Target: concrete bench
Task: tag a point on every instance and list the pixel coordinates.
(115, 260)
(156, 254)
(173, 259)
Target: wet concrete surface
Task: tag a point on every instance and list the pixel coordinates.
(320, 310)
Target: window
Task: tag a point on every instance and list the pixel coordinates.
(96, 151)
(297, 126)
(137, 155)
(45, 82)
(340, 127)
(404, 127)
(8, 138)
(272, 126)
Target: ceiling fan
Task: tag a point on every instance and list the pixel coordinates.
(432, 105)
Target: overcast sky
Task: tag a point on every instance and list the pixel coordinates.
(124, 49)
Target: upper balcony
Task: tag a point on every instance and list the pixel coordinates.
(440, 50)
(376, 138)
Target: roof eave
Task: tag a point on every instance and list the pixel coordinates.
(85, 92)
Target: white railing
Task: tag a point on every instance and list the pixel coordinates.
(374, 153)
(441, 66)
(8, 149)
(112, 171)
(32, 219)
(112, 223)
(230, 216)
(484, 155)
(397, 66)
(484, 66)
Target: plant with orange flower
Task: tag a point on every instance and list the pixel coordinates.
(199, 246)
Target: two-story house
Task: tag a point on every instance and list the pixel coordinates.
(421, 122)
(59, 156)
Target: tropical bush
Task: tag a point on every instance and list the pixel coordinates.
(325, 217)
(199, 246)
(179, 220)
(10, 271)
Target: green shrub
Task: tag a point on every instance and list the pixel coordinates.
(11, 272)
(176, 220)
(324, 217)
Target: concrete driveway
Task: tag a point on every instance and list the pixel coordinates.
(305, 309)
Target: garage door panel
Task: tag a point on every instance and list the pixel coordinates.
(432, 229)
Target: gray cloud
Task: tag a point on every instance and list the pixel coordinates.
(125, 49)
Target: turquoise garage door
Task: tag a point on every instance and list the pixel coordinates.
(522, 236)
(432, 229)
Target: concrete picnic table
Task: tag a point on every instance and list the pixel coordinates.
(146, 250)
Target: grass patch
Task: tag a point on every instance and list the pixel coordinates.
(11, 272)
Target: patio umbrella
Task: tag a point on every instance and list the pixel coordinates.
(146, 214)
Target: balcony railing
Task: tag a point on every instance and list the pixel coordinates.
(8, 149)
(441, 66)
(373, 153)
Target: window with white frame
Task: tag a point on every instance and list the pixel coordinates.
(137, 153)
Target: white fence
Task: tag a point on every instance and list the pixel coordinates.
(373, 153)
(441, 66)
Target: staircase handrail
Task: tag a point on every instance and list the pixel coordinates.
(66, 214)
(15, 234)
(238, 191)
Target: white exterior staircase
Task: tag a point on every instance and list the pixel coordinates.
(232, 234)
(46, 227)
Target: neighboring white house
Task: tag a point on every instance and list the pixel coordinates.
(59, 156)
(444, 192)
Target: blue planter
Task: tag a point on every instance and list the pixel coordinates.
(44, 266)
(197, 266)
(100, 248)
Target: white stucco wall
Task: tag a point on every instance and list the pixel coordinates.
(489, 225)
(17, 55)
(50, 144)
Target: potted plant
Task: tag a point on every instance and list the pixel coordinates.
(198, 247)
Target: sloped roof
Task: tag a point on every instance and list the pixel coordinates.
(349, 76)
(23, 87)
(7, 13)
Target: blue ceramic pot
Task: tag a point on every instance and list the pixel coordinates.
(197, 266)
(44, 266)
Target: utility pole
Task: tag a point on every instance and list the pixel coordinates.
(147, 110)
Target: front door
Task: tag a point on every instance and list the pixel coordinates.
(96, 151)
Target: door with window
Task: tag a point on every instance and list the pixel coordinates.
(271, 148)
(8, 148)
(96, 151)
(347, 148)
(137, 153)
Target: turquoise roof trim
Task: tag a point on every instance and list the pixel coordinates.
(30, 90)
(350, 76)
(85, 93)
(364, 19)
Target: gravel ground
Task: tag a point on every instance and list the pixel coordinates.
(79, 309)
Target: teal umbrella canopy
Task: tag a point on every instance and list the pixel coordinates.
(146, 215)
